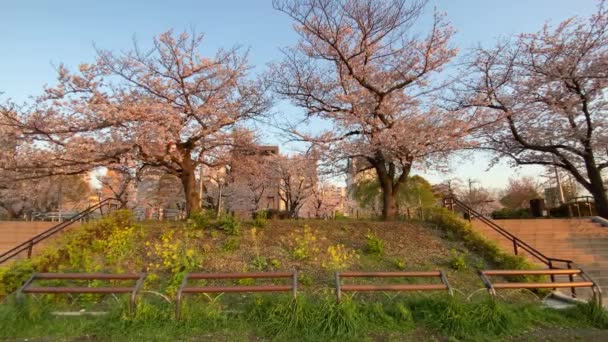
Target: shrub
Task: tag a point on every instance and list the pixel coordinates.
(259, 263)
(399, 263)
(201, 219)
(475, 242)
(375, 245)
(506, 213)
(230, 224)
(259, 219)
(339, 257)
(304, 246)
(458, 261)
(231, 244)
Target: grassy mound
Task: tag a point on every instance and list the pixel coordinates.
(316, 248)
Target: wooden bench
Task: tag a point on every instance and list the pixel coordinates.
(28, 287)
(185, 288)
(443, 285)
(585, 281)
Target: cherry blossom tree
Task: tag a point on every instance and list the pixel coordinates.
(361, 66)
(170, 107)
(518, 193)
(252, 176)
(120, 181)
(297, 176)
(543, 99)
(325, 199)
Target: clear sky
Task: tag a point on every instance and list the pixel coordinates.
(35, 35)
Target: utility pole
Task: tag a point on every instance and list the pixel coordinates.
(560, 190)
(471, 188)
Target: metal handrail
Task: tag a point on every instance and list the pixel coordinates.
(30, 243)
(517, 242)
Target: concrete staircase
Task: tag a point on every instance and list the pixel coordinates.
(12, 233)
(580, 240)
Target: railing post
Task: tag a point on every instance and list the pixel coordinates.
(515, 246)
(551, 267)
(338, 290)
(30, 249)
(572, 289)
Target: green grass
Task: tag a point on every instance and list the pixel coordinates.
(307, 318)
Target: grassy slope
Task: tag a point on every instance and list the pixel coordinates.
(166, 250)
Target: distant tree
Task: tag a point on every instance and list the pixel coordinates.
(325, 199)
(252, 176)
(19, 198)
(360, 65)
(297, 177)
(519, 192)
(416, 193)
(543, 99)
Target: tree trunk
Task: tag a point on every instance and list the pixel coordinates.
(596, 187)
(188, 179)
(389, 203)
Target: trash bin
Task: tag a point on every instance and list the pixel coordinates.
(537, 207)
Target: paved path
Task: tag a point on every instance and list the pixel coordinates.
(581, 240)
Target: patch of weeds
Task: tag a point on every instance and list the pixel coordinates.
(275, 263)
(230, 224)
(339, 319)
(201, 219)
(595, 315)
(305, 279)
(339, 257)
(260, 219)
(399, 263)
(259, 263)
(458, 260)
(304, 246)
(374, 245)
(231, 244)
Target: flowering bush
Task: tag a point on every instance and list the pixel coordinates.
(171, 254)
(304, 246)
(339, 257)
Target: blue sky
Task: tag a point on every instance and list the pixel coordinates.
(39, 34)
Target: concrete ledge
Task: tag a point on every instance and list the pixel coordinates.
(600, 220)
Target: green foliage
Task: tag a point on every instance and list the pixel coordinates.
(231, 244)
(230, 224)
(11, 278)
(305, 279)
(260, 219)
(339, 257)
(338, 215)
(259, 263)
(374, 244)
(475, 242)
(201, 219)
(506, 213)
(593, 314)
(458, 260)
(280, 317)
(305, 245)
(416, 192)
(399, 263)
